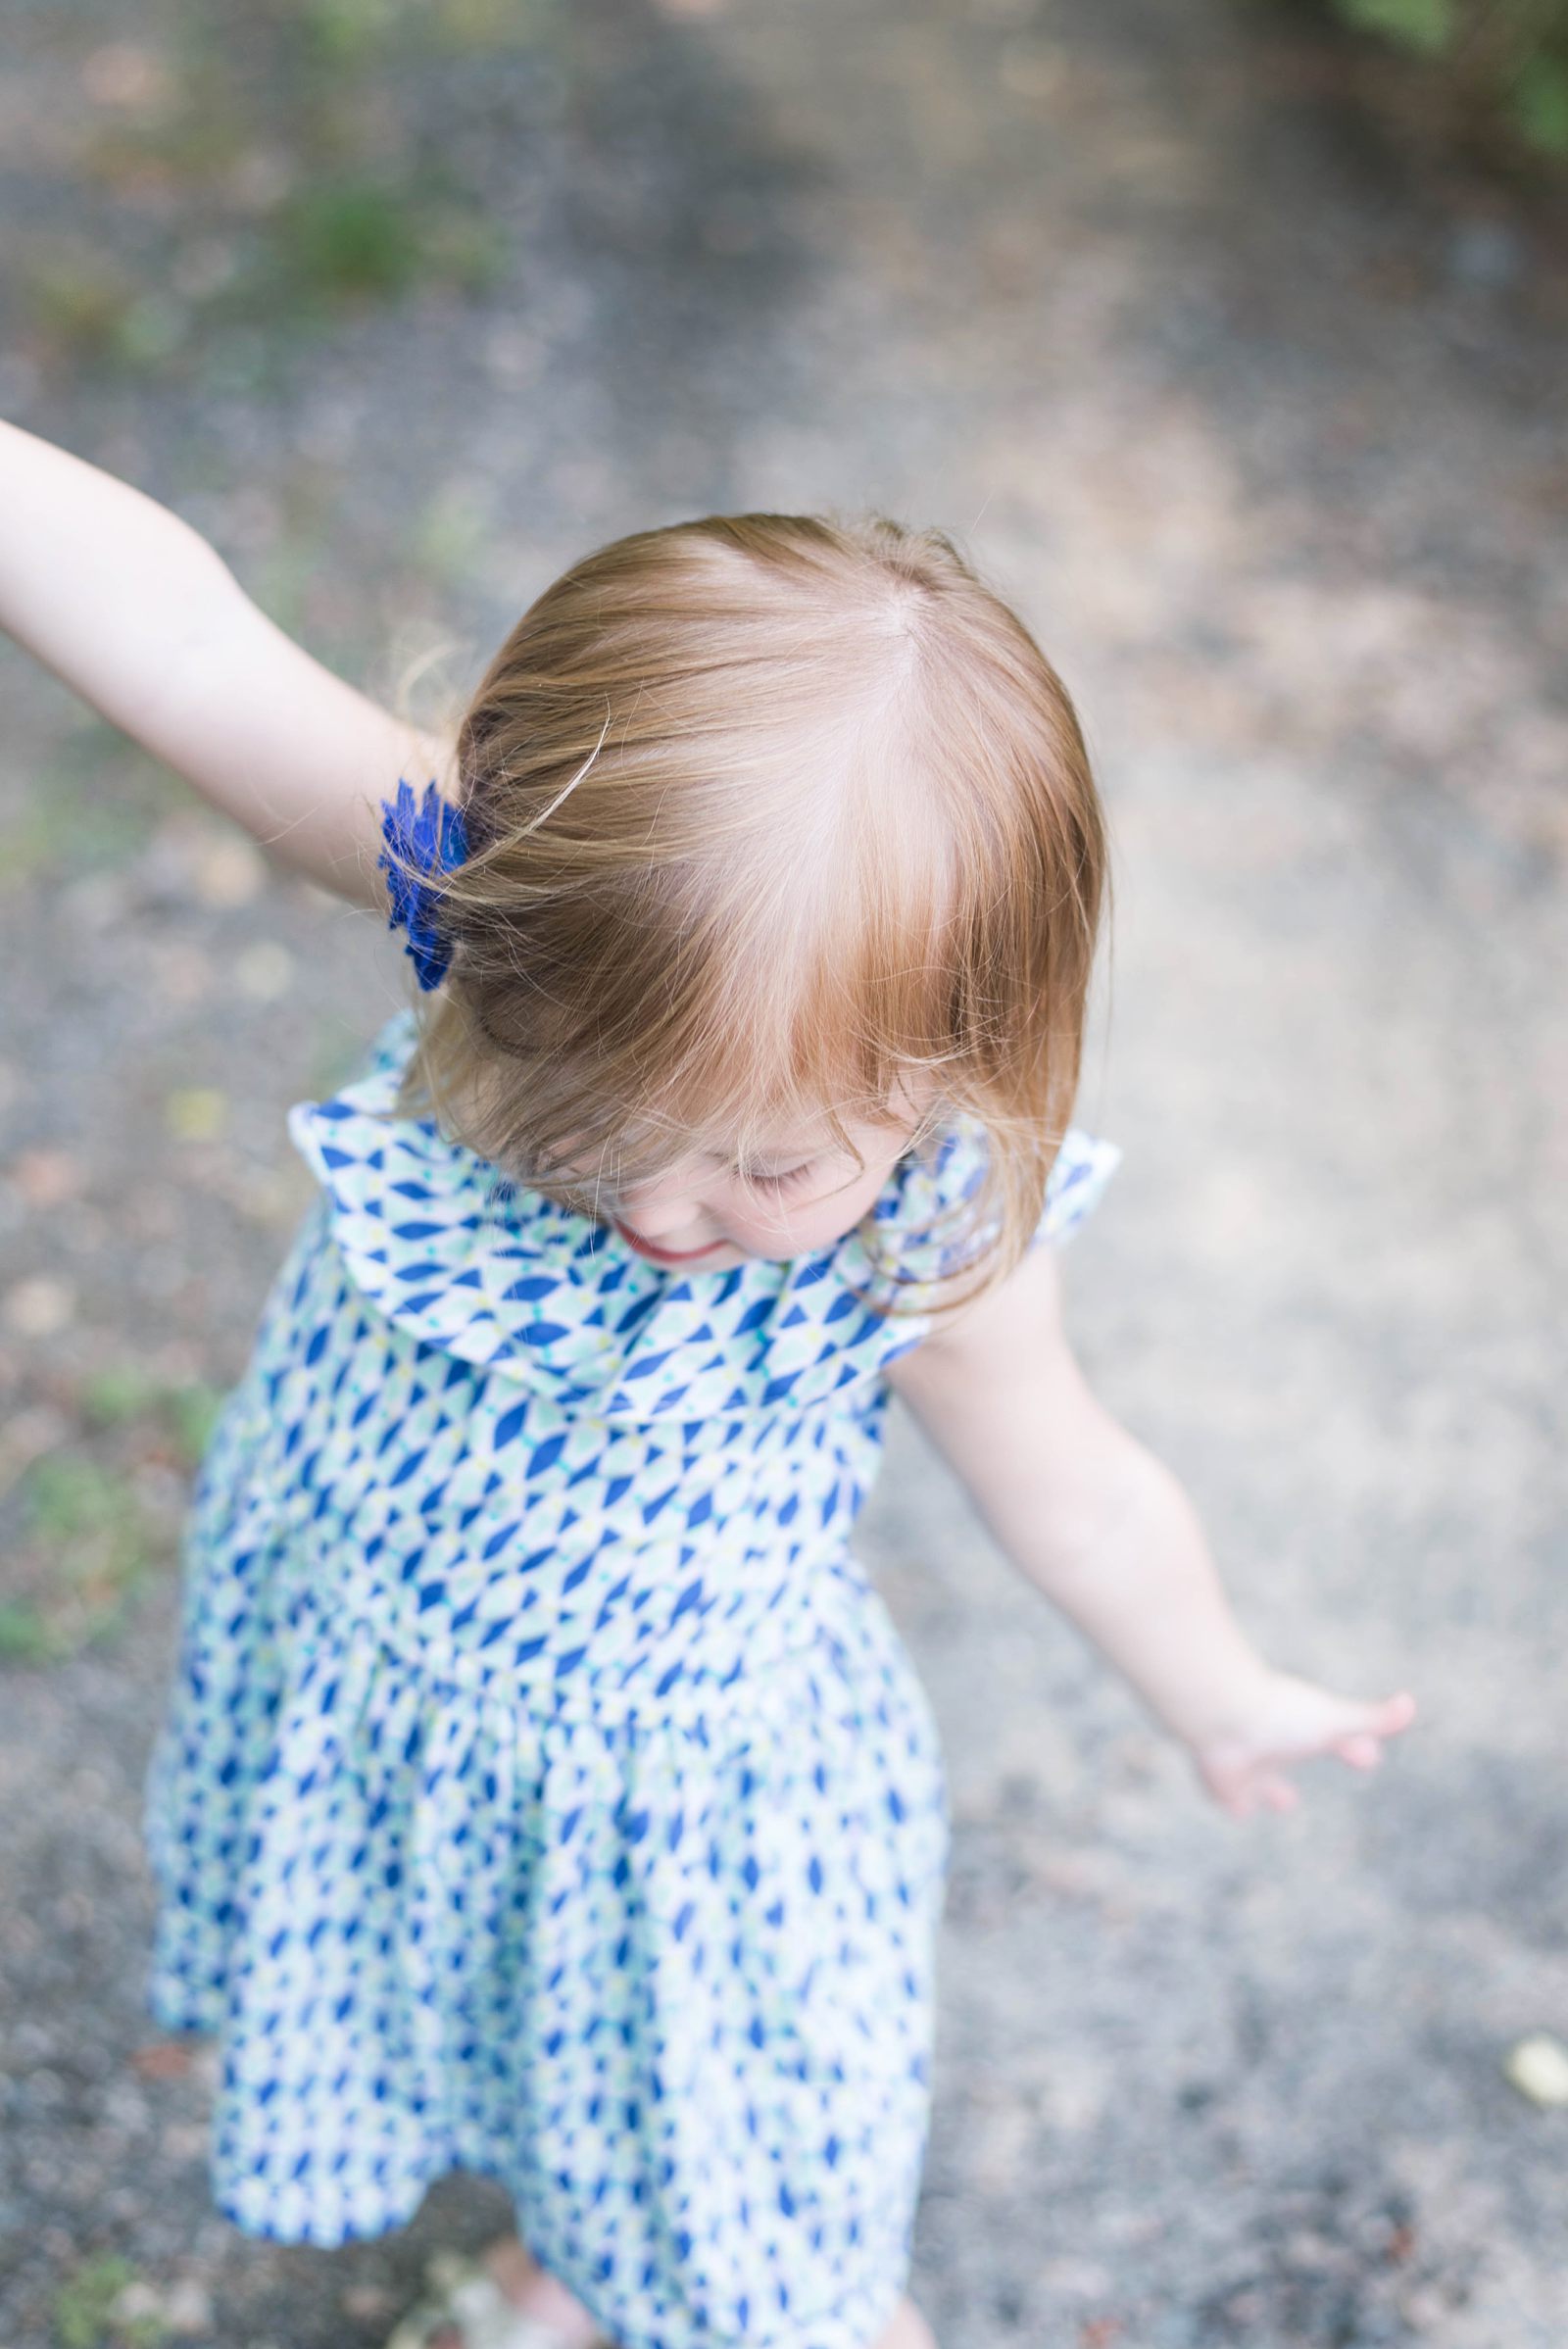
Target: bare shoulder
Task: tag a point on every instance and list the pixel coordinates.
(1014, 1332)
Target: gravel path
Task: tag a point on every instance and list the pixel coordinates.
(1264, 429)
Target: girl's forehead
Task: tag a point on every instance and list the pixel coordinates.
(765, 1146)
(769, 1145)
(801, 1132)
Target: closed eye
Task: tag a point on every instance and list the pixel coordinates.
(777, 1184)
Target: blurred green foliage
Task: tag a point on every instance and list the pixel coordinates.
(124, 1392)
(300, 169)
(374, 236)
(94, 802)
(84, 1529)
(1504, 62)
(1420, 23)
(84, 2309)
(82, 1554)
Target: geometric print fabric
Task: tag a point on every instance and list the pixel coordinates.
(544, 1789)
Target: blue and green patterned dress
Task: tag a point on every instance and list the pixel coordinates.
(545, 1790)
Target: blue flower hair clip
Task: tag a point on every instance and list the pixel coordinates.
(424, 839)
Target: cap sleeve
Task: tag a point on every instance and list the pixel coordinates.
(923, 1212)
(1082, 1167)
(921, 1236)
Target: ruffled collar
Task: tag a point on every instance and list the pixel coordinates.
(441, 1243)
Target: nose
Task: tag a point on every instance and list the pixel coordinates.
(663, 1209)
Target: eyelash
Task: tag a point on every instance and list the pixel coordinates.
(784, 1182)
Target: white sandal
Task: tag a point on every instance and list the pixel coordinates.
(466, 2301)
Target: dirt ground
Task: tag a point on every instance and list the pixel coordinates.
(1261, 418)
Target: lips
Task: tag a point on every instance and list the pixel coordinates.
(664, 1256)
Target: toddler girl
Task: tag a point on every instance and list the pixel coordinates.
(545, 1788)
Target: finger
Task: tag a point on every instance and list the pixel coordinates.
(1384, 1716)
(1361, 1752)
(1279, 1794)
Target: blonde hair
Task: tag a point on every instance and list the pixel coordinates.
(766, 813)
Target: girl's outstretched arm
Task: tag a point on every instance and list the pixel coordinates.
(136, 613)
(1107, 1533)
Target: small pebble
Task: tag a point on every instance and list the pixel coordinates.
(95, 903)
(264, 971)
(185, 2307)
(139, 2303)
(229, 872)
(1538, 2066)
(188, 2307)
(180, 974)
(39, 1307)
(368, 2303)
(127, 76)
(1486, 254)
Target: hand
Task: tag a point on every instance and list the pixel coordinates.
(1285, 1721)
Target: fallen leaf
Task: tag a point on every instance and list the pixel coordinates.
(196, 1114)
(46, 1178)
(163, 2059)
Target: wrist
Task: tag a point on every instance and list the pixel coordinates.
(1224, 1707)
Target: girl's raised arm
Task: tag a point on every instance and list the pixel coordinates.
(135, 611)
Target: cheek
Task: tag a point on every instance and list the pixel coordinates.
(781, 1227)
